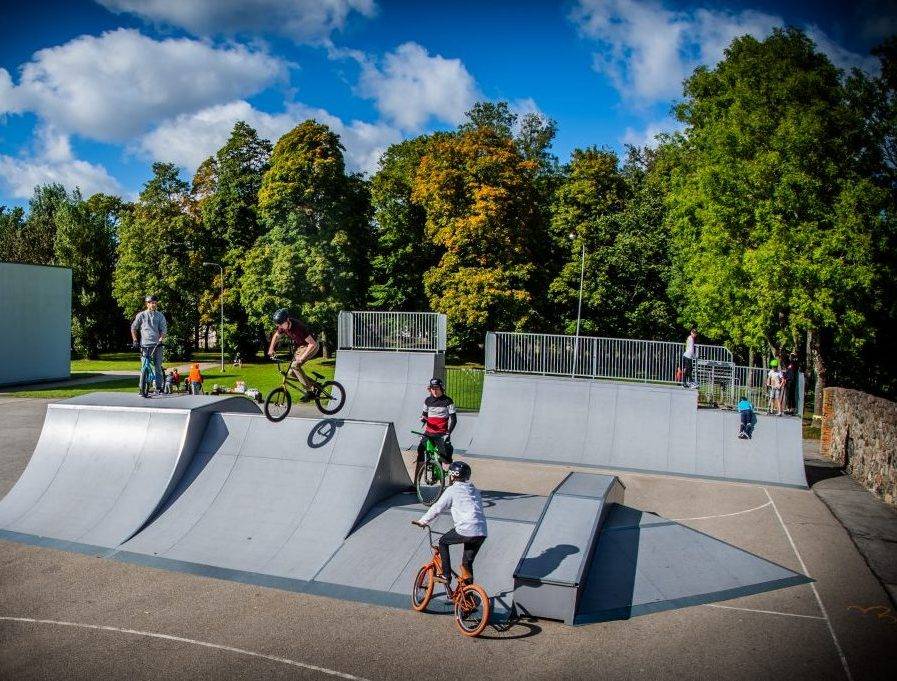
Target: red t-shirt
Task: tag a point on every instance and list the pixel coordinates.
(298, 332)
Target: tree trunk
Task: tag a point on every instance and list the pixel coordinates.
(820, 367)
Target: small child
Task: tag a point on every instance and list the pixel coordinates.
(175, 376)
(195, 379)
(746, 410)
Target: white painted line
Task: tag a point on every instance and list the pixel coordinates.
(803, 566)
(723, 515)
(180, 639)
(765, 612)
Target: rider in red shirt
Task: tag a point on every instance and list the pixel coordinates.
(306, 346)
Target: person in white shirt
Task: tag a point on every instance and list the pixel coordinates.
(466, 505)
(775, 381)
(688, 359)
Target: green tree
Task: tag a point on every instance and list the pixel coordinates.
(478, 194)
(12, 222)
(86, 234)
(403, 253)
(227, 189)
(617, 214)
(772, 225)
(160, 251)
(314, 256)
(32, 242)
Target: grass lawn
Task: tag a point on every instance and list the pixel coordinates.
(259, 375)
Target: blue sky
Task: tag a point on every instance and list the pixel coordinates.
(92, 92)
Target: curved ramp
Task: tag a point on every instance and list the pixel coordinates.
(629, 426)
(274, 498)
(105, 462)
(390, 386)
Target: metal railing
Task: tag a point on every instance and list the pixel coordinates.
(465, 386)
(415, 331)
(751, 382)
(594, 357)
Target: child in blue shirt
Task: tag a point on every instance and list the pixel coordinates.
(746, 409)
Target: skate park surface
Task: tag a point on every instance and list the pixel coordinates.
(79, 615)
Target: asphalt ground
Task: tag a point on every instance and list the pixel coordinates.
(65, 615)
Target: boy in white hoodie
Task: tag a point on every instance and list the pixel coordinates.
(466, 505)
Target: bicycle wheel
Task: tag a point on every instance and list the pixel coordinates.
(422, 591)
(429, 483)
(277, 404)
(472, 610)
(331, 397)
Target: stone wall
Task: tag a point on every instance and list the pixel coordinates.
(859, 431)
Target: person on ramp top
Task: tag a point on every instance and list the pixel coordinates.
(439, 419)
(152, 327)
(304, 343)
(466, 505)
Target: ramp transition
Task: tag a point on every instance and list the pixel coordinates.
(391, 386)
(628, 426)
(104, 462)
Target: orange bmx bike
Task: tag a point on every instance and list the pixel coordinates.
(471, 604)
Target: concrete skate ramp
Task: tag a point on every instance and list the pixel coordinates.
(104, 463)
(274, 498)
(628, 426)
(394, 549)
(644, 563)
(388, 386)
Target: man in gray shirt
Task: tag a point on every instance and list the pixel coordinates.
(152, 327)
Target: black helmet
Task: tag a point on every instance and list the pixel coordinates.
(281, 315)
(150, 299)
(436, 383)
(460, 471)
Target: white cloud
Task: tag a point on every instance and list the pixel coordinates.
(840, 57)
(53, 161)
(647, 50)
(647, 137)
(115, 86)
(411, 87)
(302, 20)
(189, 139)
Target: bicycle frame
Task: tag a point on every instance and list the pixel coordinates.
(432, 454)
(288, 379)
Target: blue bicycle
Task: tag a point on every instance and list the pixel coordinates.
(148, 368)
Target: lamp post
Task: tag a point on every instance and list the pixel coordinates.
(582, 271)
(221, 339)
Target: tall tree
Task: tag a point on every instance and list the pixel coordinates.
(160, 251)
(477, 191)
(403, 253)
(314, 256)
(617, 215)
(227, 188)
(86, 233)
(12, 222)
(34, 242)
(772, 225)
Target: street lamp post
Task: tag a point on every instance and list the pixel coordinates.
(221, 339)
(582, 271)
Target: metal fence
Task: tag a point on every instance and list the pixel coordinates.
(415, 331)
(465, 386)
(592, 357)
(751, 383)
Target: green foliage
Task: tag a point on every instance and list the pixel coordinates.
(31, 240)
(12, 222)
(86, 234)
(226, 188)
(772, 227)
(160, 251)
(314, 258)
(617, 214)
(402, 253)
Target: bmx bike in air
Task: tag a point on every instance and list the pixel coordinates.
(469, 600)
(328, 396)
(429, 479)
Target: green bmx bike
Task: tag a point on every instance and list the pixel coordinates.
(328, 396)
(429, 478)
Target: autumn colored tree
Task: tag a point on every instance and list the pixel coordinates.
(477, 191)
